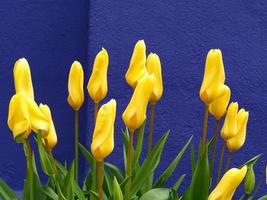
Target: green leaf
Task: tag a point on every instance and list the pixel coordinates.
(107, 184)
(252, 160)
(6, 192)
(49, 192)
(78, 192)
(117, 193)
(168, 172)
(114, 171)
(263, 197)
(149, 165)
(88, 156)
(157, 194)
(178, 182)
(193, 159)
(68, 184)
(87, 181)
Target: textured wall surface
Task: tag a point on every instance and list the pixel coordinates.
(51, 34)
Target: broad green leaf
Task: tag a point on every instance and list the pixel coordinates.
(114, 171)
(178, 182)
(87, 181)
(68, 184)
(107, 184)
(117, 193)
(157, 194)
(88, 156)
(49, 192)
(263, 197)
(78, 192)
(149, 165)
(139, 146)
(6, 192)
(168, 172)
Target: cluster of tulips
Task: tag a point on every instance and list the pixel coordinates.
(107, 181)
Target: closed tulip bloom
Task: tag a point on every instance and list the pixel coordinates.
(137, 67)
(98, 86)
(154, 67)
(135, 113)
(39, 121)
(228, 184)
(18, 117)
(213, 81)
(51, 138)
(229, 128)
(22, 77)
(236, 142)
(218, 107)
(75, 86)
(103, 137)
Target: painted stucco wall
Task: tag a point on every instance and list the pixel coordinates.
(51, 34)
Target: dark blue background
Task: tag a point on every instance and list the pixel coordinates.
(51, 34)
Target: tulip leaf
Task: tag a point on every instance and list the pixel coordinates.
(117, 193)
(170, 169)
(193, 159)
(88, 156)
(107, 184)
(178, 182)
(139, 146)
(149, 165)
(78, 192)
(87, 181)
(49, 192)
(6, 192)
(252, 160)
(114, 171)
(263, 197)
(68, 183)
(158, 194)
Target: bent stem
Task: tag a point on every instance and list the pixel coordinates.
(151, 124)
(99, 180)
(205, 125)
(129, 167)
(214, 146)
(229, 158)
(220, 162)
(76, 164)
(28, 155)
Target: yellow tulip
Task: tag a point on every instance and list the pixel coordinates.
(18, 117)
(38, 120)
(51, 139)
(236, 142)
(103, 137)
(213, 81)
(228, 184)
(75, 86)
(229, 128)
(135, 113)
(22, 77)
(97, 86)
(137, 67)
(154, 67)
(218, 107)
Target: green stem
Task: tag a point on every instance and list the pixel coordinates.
(151, 124)
(129, 167)
(214, 146)
(220, 163)
(99, 180)
(76, 164)
(205, 125)
(96, 111)
(229, 158)
(28, 155)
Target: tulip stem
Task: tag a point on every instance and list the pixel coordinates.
(151, 124)
(229, 158)
(205, 125)
(220, 162)
(99, 180)
(214, 146)
(96, 111)
(76, 165)
(28, 155)
(129, 167)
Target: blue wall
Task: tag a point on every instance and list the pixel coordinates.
(53, 33)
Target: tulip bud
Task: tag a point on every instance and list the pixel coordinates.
(18, 117)
(75, 86)
(137, 67)
(213, 81)
(97, 85)
(236, 142)
(228, 184)
(218, 107)
(250, 180)
(229, 128)
(135, 113)
(22, 77)
(51, 139)
(103, 137)
(154, 67)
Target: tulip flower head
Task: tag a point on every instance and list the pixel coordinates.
(229, 128)
(75, 86)
(236, 142)
(154, 67)
(228, 184)
(137, 67)
(51, 138)
(213, 81)
(97, 86)
(218, 107)
(22, 77)
(103, 137)
(18, 117)
(135, 113)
